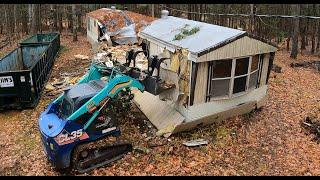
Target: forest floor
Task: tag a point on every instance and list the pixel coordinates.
(266, 142)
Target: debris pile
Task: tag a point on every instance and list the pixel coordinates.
(307, 64)
(120, 26)
(119, 53)
(276, 68)
(57, 86)
(312, 125)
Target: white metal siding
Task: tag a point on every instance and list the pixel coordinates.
(245, 46)
(205, 109)
(92, 34)
(201, 84)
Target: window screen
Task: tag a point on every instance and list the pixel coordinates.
(220, 87)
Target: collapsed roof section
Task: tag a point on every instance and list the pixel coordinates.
(122, 26)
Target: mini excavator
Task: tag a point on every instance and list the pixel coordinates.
(80, 129)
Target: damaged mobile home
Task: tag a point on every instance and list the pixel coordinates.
(115, 26)
(218, 73)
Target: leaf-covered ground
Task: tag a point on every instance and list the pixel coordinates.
(266, 142)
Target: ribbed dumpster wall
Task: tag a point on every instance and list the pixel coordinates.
(11, 62)
(32, 54)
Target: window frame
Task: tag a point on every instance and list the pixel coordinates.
(233, 77)
(89, 24)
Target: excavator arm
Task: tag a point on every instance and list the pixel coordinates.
(112, 88)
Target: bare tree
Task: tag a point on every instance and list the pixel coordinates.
(34, 19)
(295, 34)
(51, 18)
(74, 23)
(152, 10)
(314, 31)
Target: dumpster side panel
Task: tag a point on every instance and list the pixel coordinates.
(11, 62)
(15, 89)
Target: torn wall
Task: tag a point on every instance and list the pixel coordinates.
(177, 71)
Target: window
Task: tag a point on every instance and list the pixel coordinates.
(232, 77)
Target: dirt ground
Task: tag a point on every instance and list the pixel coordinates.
(266, 142)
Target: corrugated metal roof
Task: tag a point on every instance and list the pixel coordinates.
(208, 36)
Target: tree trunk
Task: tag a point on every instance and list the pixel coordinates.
(24, 20)
(59, 17)
(189, 10)
(34, 18)
(7, 24)
(15, 17)
(303, 38)
(294, 50)
(317, 14)
(79, 16)
(39, 18)
(314, 31)
(152, 10)
(30, 8)
(70, 18)
(251, 29)
(74, 22)
(51, 18)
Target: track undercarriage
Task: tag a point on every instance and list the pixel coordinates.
(87, 157)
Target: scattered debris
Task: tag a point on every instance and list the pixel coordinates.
(165, 131)
(142, 150)
(81, 57)
(301, 64)
(317, 65)
(50, 87)
(197, 142)
(277, 68)
(313, 126)
(307, 64)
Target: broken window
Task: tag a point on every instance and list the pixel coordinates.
(253, 81)
(233, 76)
